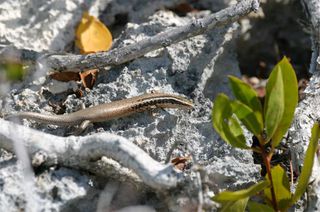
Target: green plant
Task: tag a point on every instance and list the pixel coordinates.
(268, 122)
(13, 71)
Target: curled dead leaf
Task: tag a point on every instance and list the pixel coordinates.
(88, 78)
(180, 162)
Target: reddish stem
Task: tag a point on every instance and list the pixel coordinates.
(267, 162)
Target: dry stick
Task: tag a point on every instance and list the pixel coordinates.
(77, 152)
(121, 55)
(10, 54)
(312, 9)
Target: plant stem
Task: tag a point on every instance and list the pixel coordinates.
(256, 149)
(267, 159)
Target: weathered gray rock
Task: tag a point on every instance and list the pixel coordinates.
(195, 68)
(307, 113)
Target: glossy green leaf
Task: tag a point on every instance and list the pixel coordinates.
(234, 133)
(281, 187)
(235, 206)
(290, 86)
(247, 117)
(236, 195)
(227, 126)
(274, 102)
(245, 94)
(307, 164)
(258, 207)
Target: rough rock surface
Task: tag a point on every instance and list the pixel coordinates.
(307, 113)
(195, 68)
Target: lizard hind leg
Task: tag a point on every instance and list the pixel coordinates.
(82, 127)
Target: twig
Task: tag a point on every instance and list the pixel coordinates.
(27, 177)
(312, 9)
(106, 196)
(122, 55)
(77, 152)
(200, 193)
(10, 54)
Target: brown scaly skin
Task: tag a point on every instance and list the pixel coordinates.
(108, 111)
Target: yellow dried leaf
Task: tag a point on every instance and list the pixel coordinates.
(92, 35)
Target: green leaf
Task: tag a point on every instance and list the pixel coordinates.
(234, 133)
(274, 102)
(14, 71)
(236, 195)
(247, 117)
(245, 94)
(307, 164)
(227, 126)
(254, 207)
(281, 187)
(235, 206)
(290, 86)
(248, 96)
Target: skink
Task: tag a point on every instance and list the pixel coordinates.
(108, 111)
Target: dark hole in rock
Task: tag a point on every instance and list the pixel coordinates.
(121, 19)
(269, 35)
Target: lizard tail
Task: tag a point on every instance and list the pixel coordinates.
(61, 120)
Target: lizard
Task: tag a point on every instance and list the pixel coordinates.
(108, 111)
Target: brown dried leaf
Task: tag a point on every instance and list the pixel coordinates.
(88, 78)
(65, 76)
(180, 162)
